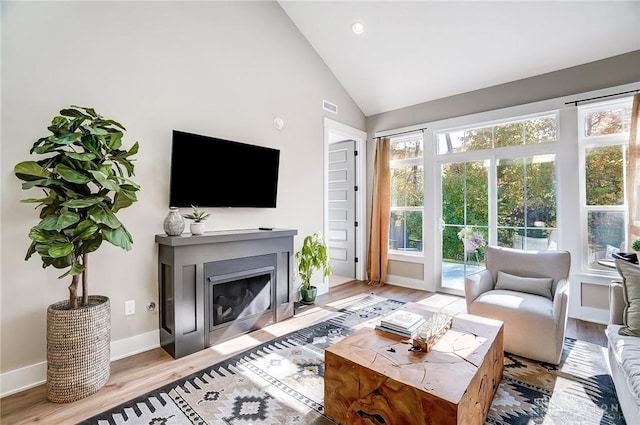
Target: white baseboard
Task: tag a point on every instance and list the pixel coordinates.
(590, 314)
(406, 282)
(31, 376)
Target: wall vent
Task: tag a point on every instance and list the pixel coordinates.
(328, 106)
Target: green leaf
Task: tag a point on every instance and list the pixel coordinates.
(35, 200)
(89, 111)
(106, 169)
(102, 215)
(115, 141)
(104, 181)
(97, 131)
(67, 219)
(43, 249)
(60, 250)
(133, 150)
(122, 200)
(85, 230)
(118, 237)
(65, 139)
(30, 170)
(112, 122)
(73, 113)
(76, 269)
(91, 245)
(46, 236)
(69, 174)
(49, 223)
(31, 250)
(61, 262)
(41, 183)
(85, 156)
(84, 202)
(58, 121)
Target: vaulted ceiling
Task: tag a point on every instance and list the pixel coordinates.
(417, 51)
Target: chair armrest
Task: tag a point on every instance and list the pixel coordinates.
(561, 301)
(476, 284)
(616, 303)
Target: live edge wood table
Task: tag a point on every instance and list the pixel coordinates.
(372, 378)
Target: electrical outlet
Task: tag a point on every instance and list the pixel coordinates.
(129, 307)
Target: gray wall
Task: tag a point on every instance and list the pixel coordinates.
(223, 69)
(614, 71)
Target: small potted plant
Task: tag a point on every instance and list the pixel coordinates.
(314, 255)
(636, 245)
(198, 218)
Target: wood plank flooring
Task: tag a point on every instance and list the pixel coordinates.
(138, 374)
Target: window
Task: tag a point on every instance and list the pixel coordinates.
(407, 193)
(603, 135)
(498, 186)
(528, 131)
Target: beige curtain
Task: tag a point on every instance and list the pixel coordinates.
(379, 231)
(633, 175)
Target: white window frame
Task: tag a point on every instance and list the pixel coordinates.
(584, 143)
(403, 163)
(494, 155)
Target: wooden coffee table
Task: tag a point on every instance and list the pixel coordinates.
(372, 378)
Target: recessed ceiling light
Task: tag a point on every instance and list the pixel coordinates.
(357, 28)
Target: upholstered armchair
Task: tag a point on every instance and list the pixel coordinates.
(529, 292)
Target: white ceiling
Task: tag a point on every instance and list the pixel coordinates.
(416, 51)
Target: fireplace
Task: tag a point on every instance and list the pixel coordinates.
(240, 295)
(222, 284)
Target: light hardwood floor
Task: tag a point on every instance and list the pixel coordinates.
(138, 374)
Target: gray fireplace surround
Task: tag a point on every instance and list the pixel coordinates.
(219, 285)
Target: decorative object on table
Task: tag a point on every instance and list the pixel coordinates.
(174, 222)
(285, 377)
(313, 256)
(402, 323)
(630, 257)
(431, 331)
(199, 217)
(85, 175)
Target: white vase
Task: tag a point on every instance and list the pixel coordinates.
(197, 228)
(173, 223)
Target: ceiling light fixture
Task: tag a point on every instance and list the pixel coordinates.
(357, 28)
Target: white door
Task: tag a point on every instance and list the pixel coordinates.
(341, 238)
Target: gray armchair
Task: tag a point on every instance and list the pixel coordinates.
(529, 292)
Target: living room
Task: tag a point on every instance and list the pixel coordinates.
(220, 69)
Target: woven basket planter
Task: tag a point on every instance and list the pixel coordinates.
(78, 349)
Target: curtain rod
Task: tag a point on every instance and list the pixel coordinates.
(403, 132)
(575, 102)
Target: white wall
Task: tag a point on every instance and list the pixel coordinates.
(222, 69)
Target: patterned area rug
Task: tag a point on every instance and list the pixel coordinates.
(281, 382)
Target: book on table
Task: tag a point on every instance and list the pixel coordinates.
(407, 333)
(402, 323)
(401, 320)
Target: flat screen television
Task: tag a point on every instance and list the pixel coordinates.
(212, 172)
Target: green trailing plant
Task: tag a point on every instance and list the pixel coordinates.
(314, 255)
(196, 215)
(636, 245)
(85, 176)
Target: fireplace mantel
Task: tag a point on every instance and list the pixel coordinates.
(183, 290)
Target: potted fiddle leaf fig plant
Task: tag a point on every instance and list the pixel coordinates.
(84, 172)
(313, 256)
(198, 218)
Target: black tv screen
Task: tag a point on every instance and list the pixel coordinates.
(212, 172)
